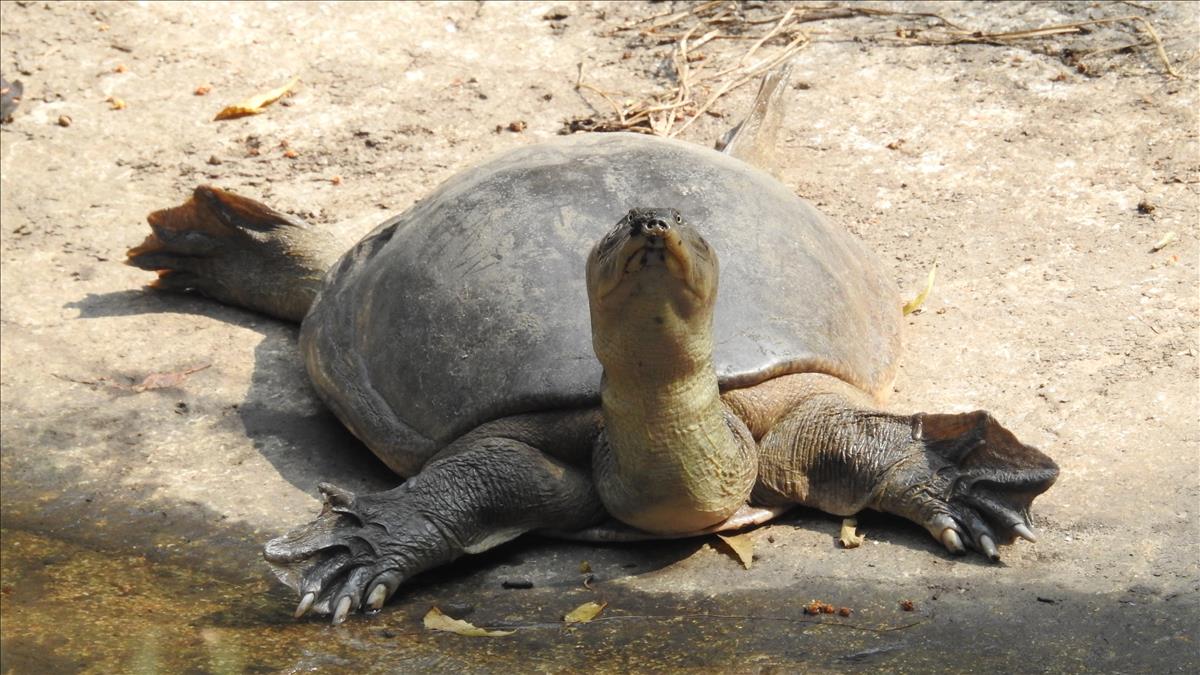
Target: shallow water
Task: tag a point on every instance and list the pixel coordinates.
(69, 608)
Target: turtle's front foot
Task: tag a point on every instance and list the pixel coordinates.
(480, 494)
(358, 551)
(968, 480)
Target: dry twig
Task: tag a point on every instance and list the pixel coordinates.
(965, 37)
(697, 88)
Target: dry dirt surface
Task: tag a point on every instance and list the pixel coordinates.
(152, 442)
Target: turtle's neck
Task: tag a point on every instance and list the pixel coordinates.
(672, 459)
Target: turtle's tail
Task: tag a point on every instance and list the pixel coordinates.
(237, 251)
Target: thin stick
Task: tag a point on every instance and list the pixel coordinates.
(770, 34)
(1062, 29)
(669, 18)
(791, 49)
(1162, 53)
(580, 84)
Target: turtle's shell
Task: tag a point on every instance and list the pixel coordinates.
(471, 305)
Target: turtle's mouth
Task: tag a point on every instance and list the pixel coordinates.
(668, 250)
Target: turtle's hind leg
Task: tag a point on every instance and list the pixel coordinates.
(237, 251)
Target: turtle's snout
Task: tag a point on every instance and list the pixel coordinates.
(652, 223)
(651, 228)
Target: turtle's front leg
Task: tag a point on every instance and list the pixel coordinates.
(963, 477)
(467, 500)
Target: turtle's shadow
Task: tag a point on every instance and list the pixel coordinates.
(281, 413)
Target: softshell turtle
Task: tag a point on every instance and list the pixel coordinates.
(520, 383)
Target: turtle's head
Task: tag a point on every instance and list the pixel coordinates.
(652, 283)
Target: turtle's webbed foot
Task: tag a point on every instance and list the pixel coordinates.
(479, 494)
(187, 241)
(235, 250)
(968, 480)
(357, 552)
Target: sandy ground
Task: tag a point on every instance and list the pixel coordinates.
(1039, 188)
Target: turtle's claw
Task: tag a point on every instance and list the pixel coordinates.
(952, 542)
(982, 535)
(383, 586)
(988, 547)
(306, 604)
(1025, 532)
(377, 597)
(342, 609)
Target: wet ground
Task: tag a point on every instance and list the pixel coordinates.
(1040, 175)
(126, 613)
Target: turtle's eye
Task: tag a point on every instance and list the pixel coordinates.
(678, 218)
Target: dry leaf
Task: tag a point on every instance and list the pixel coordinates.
(849, 537)
(817, 607)
(148, 383)
(742, 547)
(255, 104)
(915, 304)
(435, 620)
(585, 612)
(1162, 243)
(115, 103)
(164, 380)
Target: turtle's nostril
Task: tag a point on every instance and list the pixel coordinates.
(649, 226)
(656, 228)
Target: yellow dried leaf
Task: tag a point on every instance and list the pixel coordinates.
(915, 304)
(850, 537)
(585, 612)
(742, 547)
(256, 104)
(435, 620)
